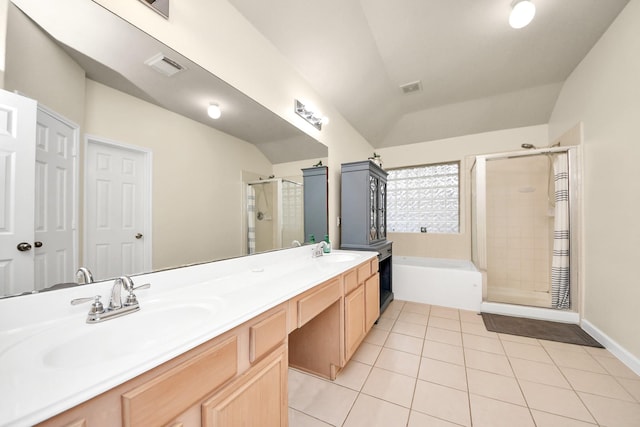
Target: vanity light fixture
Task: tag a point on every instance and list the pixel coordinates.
(214, 111)
(307, 112)
(522, 13)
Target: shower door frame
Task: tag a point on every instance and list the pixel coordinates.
(479, 218)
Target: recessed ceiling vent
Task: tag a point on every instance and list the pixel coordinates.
(164, 65)
(411, 87)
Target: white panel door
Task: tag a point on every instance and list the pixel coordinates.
(117, 207)
(17, 159)
(55, 248)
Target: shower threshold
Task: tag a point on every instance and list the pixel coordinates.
(566, 316)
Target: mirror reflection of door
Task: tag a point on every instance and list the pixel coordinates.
(17, 162)
(117, 209)
(55, 227)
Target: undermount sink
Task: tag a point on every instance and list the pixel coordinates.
(72, 343)
(335, 257)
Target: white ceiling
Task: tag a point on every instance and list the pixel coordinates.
(477, 73)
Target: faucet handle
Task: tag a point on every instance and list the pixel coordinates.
(131, 298)
(96, 307)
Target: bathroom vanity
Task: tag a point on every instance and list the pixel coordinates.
(210, 346)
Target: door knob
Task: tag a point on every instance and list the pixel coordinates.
(24, 246)
(139, 236)
(37, 244)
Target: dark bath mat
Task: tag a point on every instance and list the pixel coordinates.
(541, 329)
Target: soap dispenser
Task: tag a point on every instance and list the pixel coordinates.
(312, 238)
(327, 247)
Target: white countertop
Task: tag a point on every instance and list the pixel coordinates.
(52, 360)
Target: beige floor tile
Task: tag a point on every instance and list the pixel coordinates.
(441, 351)
(470, 316)
(444, 335)
(495, 386)
(367, 353)
(490, 362)
(369, 411)
(385, 323)
(446, 312)
(409, 317)
(599, 352)
(442, 402)
(412, 329)
(555, 400)
(632, 387)
(477, 342)
(616, 368)
(539, 372)
(443, 373)
(299, 419)
(612, 412)
(563, 346)
(600, 384)
(545, 419)
(487, 412)
(399, 362)
(518, 338)
(415, 307)
(353, 375)
(376, 336)
(536, 353)
(574, 359)
(477, 329)
(390, 386)
(418, 419)
(390, 313)
(320, 399)
(404, 343)
(443, 323)
(396, 304)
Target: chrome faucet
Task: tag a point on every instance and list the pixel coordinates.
(318, 250)
(116, 308)
(295, 244)
(84, 276)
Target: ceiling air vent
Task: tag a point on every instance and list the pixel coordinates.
(411, 87)
(164, 65)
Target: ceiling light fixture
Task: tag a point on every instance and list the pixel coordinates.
(522, 13)
(214, 111)
(308, 113)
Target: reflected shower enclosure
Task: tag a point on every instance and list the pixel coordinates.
(521, 226)
(275, 214)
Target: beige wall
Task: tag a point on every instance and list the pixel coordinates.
(446, 150)
(604, 93)
(197, 175)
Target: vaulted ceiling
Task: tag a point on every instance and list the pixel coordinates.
(477, 73)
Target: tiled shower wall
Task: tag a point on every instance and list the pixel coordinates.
(519, 224)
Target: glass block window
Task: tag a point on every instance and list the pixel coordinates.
(423, 198)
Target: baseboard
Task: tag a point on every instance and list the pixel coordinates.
(531, 312)
(631, 361)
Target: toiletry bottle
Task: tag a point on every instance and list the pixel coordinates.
(327, 248)
(312, 238)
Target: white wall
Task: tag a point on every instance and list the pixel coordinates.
(446, 150)
(604, 92)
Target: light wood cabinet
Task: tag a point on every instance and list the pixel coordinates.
(354, 320)
(372, 300)
(257, 398)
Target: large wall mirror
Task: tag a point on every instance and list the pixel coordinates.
(105, 99)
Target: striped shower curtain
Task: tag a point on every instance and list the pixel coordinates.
(560, 260)
(251, 220)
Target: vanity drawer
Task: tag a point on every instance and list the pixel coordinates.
(364, 271)
(374, 265)
(350, 281)
(315, 303)
(267, 334)
(163, 398)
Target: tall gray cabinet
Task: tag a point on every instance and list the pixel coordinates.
(363, 222)
(316, 207)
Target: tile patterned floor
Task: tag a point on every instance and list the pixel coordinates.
(428, 366)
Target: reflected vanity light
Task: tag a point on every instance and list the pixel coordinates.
(308, 113)
(522, 13)
(214, 111)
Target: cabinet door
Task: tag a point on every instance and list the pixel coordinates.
(257, 398)
(372, 300)
(382, 209)
(354, 321)
(373, 208)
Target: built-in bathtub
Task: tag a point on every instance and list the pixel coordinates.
(437, 281)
